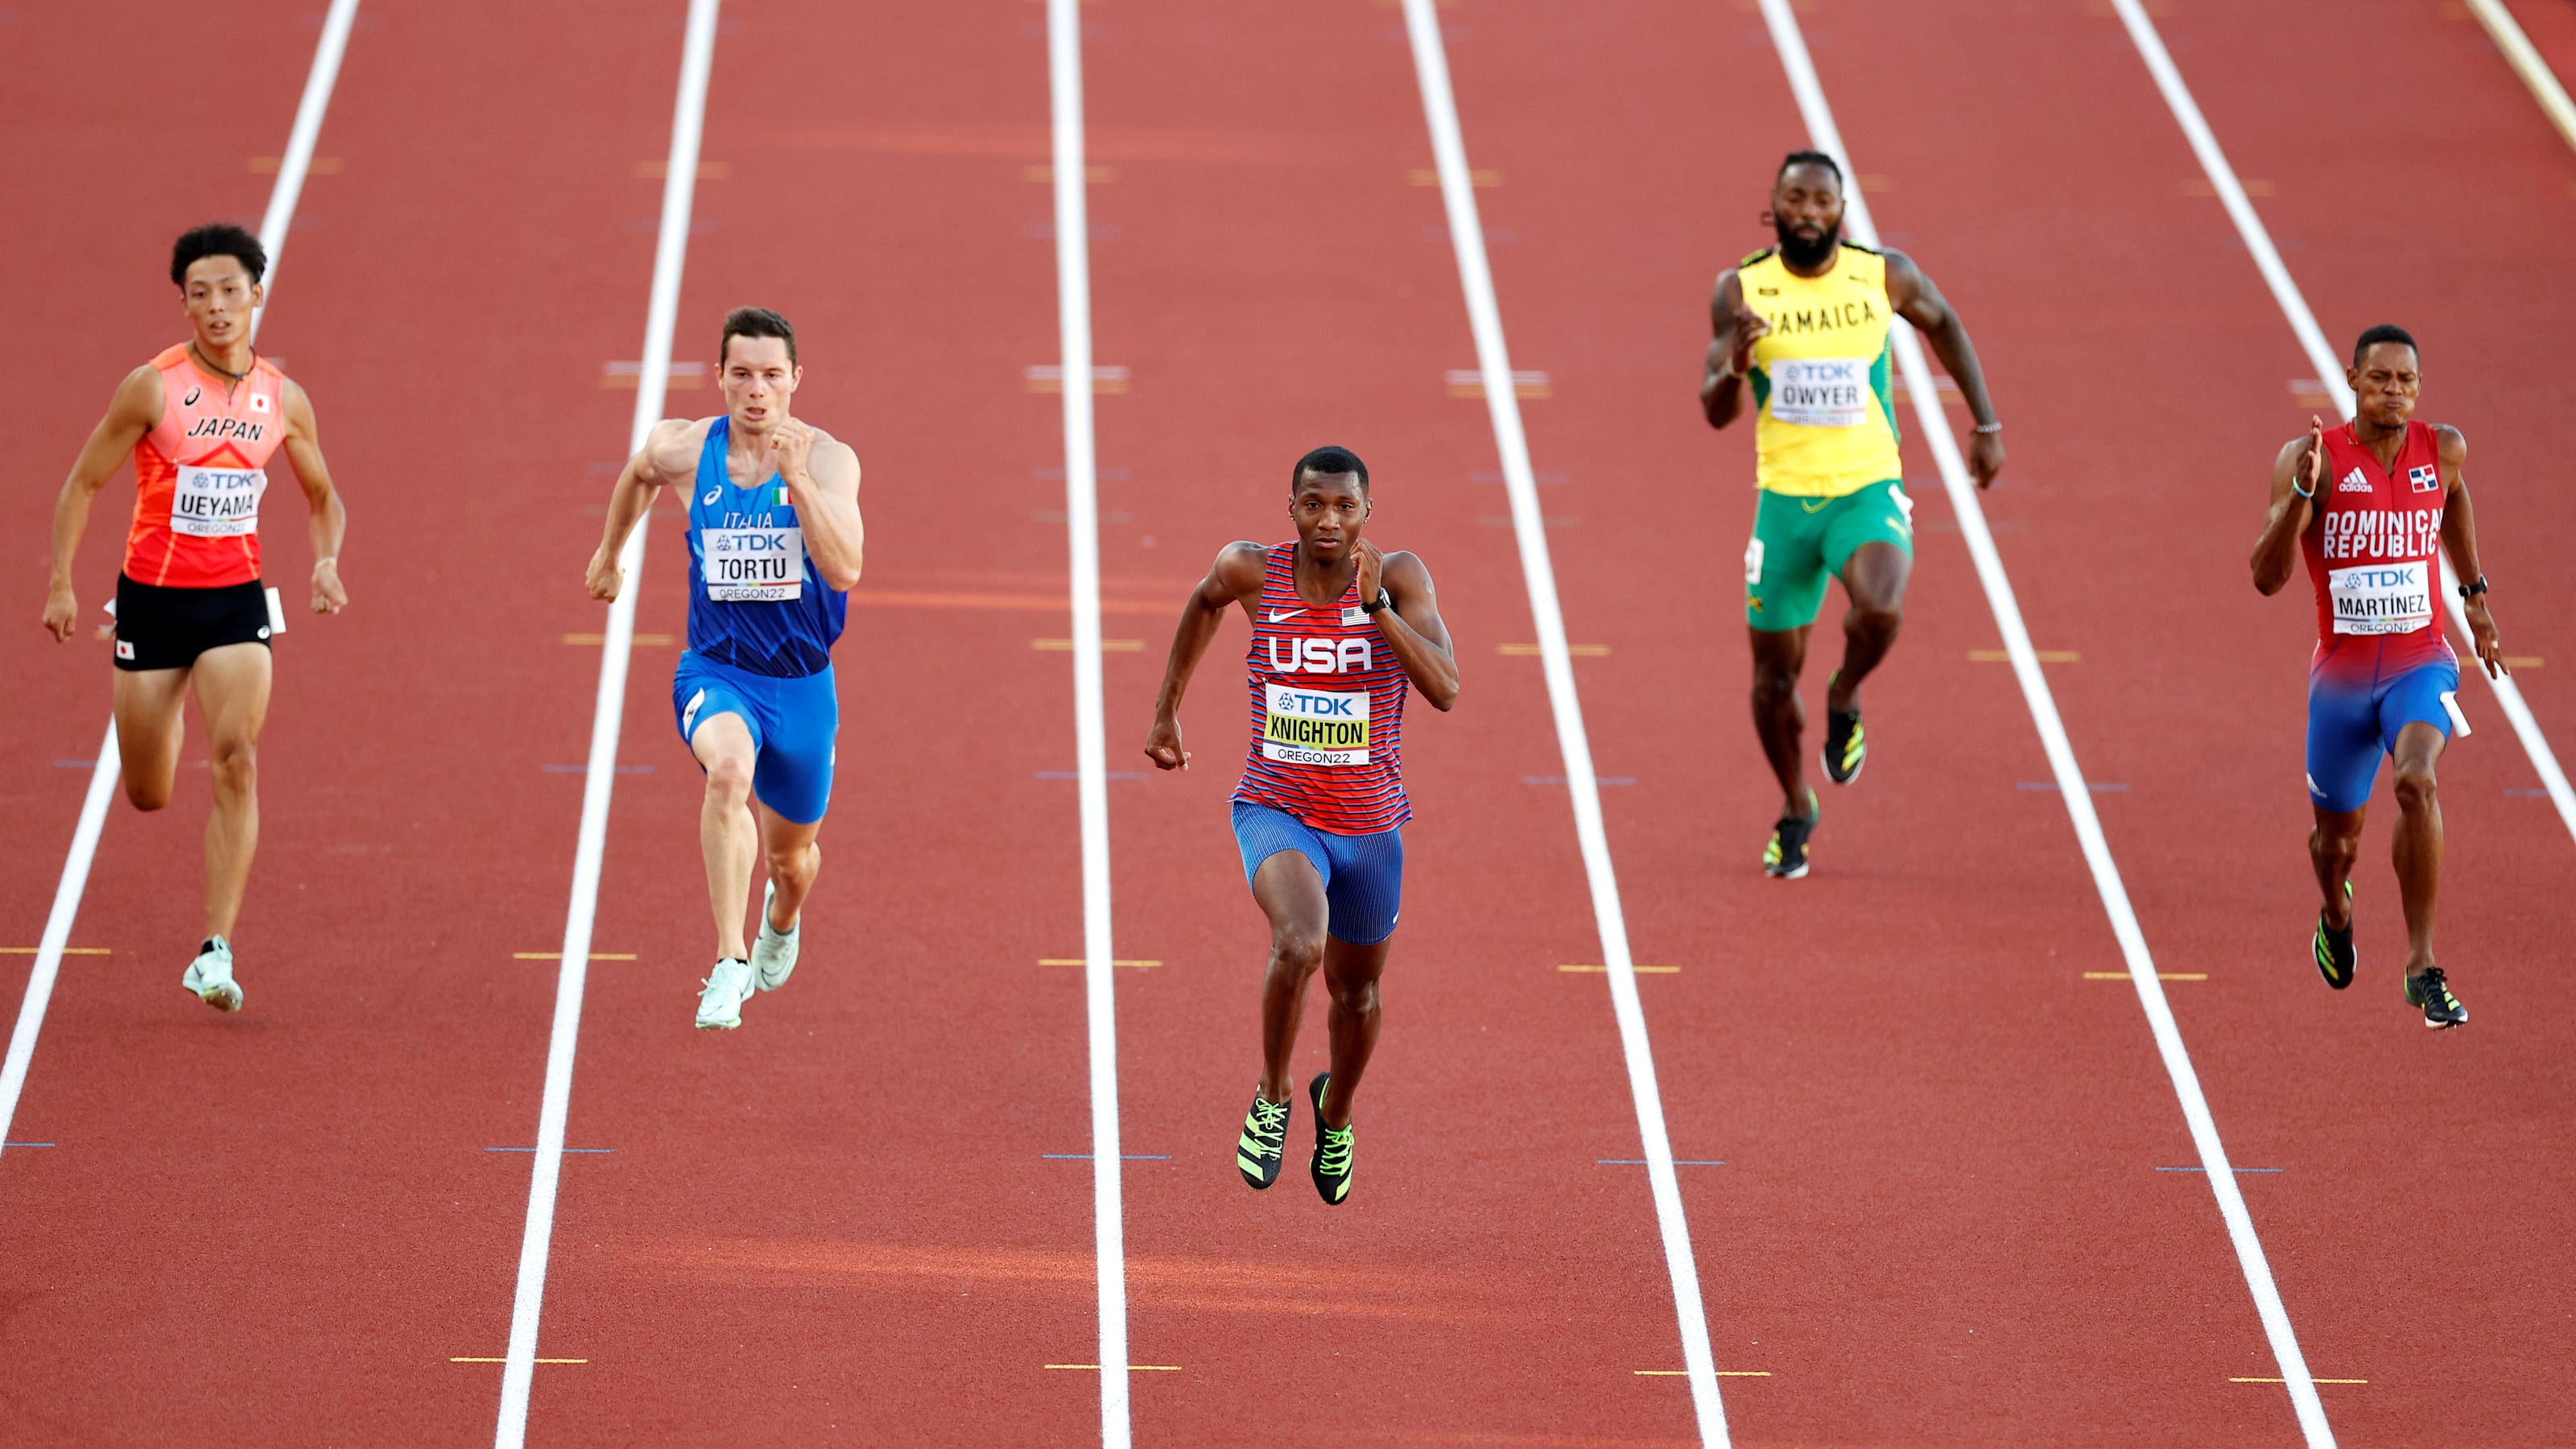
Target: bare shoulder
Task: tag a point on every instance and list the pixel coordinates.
(835, 451)
(139, 397)
(2450, 442)
(297, 403)
(671, 447)
(1241, 562)
(1407, 568)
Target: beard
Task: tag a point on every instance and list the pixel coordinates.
(1803, 254)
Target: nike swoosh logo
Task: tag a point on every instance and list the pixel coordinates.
(1285, 614)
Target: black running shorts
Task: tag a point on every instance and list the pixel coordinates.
(165, 628)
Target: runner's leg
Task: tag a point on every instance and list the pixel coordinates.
(2333, 846)
(1291, 893)
(1350, 974)
(232, 685)
(794, 859)
(1778, 658)
(726, 833)
(1875, 579)
(150, 723)
(2418, 847)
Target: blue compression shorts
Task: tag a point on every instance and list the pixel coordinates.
(1363, 874)
(2354, 715)
(794, 724)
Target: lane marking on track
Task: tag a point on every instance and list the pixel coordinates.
(1533, 651)
(1068, 174)
(67, 950)
(1560, 779)
(1640, 1162)
(1468, 382)
(1538, 576)
(1123, 1156)
(2096, 786)
(2527, 63)
(505, 1360)
(682, 377)
(1107, 646)
(661, 171)
(1078, 961)
(1050, 378)
(640, 641)
(2313, 1381)
(273, 165)
(558, 955)
(585, 769)
(1970, 512)
(670, 253)
(560, 1149)
(1721, 1373)
(2303, 322)
(27, 1144)
(1640, 970)
(2232, 1169)
(2044, 656)
(2160, 976)
(1430, 176)
(1133, 1368)
(50, 948)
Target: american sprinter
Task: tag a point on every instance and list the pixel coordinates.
(2366, 504)
(1339, 631)
(1805, 323)
(774, 548)
(202, 421)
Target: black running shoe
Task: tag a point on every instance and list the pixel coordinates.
(1846, 747)
(2442, 1010)
(1264, 1143)
(2335, 956)
(1786, 855)
(1332, 1165)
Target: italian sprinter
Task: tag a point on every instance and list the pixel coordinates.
(774, 548)
(1339, 631)
(2367, 504)
(202, 421)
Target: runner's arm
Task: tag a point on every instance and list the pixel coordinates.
(2294, 484)
(2460, 541)
(1413, 627)
(330, 520)
(1917, 301)
(1730, 351)
(1234, 577)
(130, 414)
(638, 485)
(824, 481)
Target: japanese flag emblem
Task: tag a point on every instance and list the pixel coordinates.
(259, 402)
(2425, 479)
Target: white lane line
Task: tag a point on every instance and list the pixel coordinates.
(2526, 62)
(1082, 530)
(688, 119)
(1502, 405)
(1792, 45)
(2330, 368)
(282, 196)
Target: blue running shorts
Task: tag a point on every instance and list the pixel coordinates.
(794, 726)
(2353, 719)
(1363, 874)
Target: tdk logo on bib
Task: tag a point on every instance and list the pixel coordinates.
(1319, 656)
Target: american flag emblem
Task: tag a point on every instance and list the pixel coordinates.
(2425, 479)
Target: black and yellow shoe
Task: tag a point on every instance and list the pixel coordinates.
(1264, 1143)
(1332, 1165)
(2335, 956)
(1846, 746)
(1786, 856)
(2428, 990)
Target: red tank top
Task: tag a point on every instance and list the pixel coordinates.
(1327, 710)
(199, 474)
(2371, 549)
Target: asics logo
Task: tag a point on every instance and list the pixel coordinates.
(712, 496)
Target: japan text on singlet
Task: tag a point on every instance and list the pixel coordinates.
(1823, 424)
(2372, 549)
(755, 601)
(1327, 709)
(200, 472)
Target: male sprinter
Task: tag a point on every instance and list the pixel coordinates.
(2365, 503)
(202, 420)
(1338, 631)
(1806, 323)
(774, 545)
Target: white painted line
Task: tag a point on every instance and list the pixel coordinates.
(2330, 369)
(1082, 531)
(1538, 573)
(688, 117)
(306, 132)
(2526, 62)
(1792, 45)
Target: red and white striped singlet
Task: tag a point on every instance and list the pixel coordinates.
(1327, 710)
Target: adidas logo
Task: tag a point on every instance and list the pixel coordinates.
(2353, 482)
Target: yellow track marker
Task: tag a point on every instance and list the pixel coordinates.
(1466, 382)
(1530, 651)
(67, 950)
(558, 955)
(642, 641)
(1640, 970)
(504, 1360)
(2284, 1381)
(1078, 961)
(2046, 656)
(2160, 976)
(2523, 661)
(1107, 646)
(1133, 1368)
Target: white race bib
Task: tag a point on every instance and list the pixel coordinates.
(1820, 392)
(752, 564)
(2394, 598)
(1315, 727)
(217, 502)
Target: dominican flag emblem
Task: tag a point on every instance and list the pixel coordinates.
(2426, 479)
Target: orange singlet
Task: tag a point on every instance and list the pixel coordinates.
(199, 475)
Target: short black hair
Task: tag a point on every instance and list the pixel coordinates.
(755, 322)
(2384, 332)
(1328, 459)
(1809, 158)
(216, 239)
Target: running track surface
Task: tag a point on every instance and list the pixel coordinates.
(1940, 1218)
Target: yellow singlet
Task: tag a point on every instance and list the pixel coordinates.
(1823, 426)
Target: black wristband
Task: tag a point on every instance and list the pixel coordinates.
(2471, 591)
